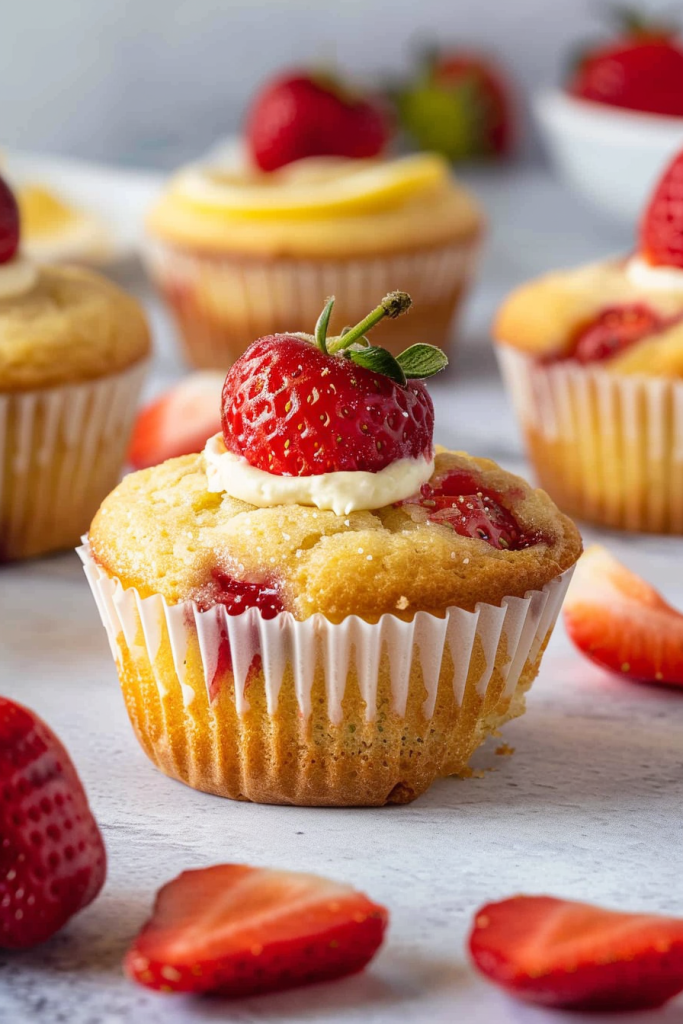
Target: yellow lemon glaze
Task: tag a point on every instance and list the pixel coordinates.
(316, 207)
(53, 230)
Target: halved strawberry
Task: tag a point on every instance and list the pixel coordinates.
(661, 228)
(622, 623)
(239, 931)
(52, 857)
(179, 422)
(578, 957)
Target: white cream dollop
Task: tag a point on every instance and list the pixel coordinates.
(341, 492)
(17, 276)
(654, 278)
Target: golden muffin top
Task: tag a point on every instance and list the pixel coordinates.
(162, 531)
(544, 317)
(72, 325)
(319, 207)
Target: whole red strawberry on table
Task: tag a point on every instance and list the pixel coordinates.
(458, 103)
(303, 114)
(52, 857)
(640, 68)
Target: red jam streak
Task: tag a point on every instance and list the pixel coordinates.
(615, 330)
(458, 500)
(237, 596)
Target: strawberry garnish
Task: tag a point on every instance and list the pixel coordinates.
(179, 422)
(642, 69)
(295, 405)
(622, 623)
(302, 115)
(9, 223)
(614, 330)
(471, 510)
(458, 104)
(661, 228)
(239, 931)
(52, 858)
(574, 956)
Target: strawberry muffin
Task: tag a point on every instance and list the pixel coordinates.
(73, 350)
(594, 360)
(239, 252)
(320, 608)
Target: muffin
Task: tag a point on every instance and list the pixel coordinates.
(239, 253)
(72, 356)
(339, 634)
(593, 358)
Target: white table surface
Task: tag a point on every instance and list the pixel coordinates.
(588, 807)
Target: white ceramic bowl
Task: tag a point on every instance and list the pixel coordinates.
(613, 157)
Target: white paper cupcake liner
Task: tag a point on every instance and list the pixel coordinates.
(242, 298)
(61, 452)
(520, 626)
(607, 447)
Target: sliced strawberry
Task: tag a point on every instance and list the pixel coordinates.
(661, 228)
(52, 858)
(470, 509)
(179, 422)
(616, 329)
(620, 622)
(241, 931)
(575, 956)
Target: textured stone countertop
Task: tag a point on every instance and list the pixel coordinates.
(588, 806)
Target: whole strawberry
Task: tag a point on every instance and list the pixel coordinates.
(641, 69)
(661, 228)
(52, 857)
(301, 115)
(298, 405)
(458, 104)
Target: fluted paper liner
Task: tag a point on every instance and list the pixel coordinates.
(61, 452)
(222, 303)
(425, 657)
(607, 447)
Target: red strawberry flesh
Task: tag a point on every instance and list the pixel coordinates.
(52, 858)
(461, 502)
(9, 223)
(238, 931)
(238, 595)
(292, 410)
(574, 956)
(661, 229)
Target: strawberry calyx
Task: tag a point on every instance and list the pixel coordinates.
(636, 24)
(416, 363)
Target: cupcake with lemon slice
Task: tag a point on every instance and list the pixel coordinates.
(240, 252)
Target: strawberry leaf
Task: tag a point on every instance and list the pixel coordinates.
(420, 361)
(379, 361)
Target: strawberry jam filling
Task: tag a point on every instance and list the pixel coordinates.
(459, 501)
(237, 596)
(615, 330)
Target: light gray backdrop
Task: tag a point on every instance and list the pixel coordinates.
(153, 81)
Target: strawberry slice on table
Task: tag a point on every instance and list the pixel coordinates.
(299, 114)
(52, 857)
(661, 228)
(575, 956)
(179, 422)
(622, 623)
(239, 930)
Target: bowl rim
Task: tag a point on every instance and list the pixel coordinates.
(554, 104)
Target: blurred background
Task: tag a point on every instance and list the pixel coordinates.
(153, 82)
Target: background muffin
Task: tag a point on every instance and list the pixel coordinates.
(239, 254)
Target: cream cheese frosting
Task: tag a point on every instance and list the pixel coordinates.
(645, 275)
(340, 492)
(17, 276)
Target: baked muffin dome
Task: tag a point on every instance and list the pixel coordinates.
(162, 531)
(543, 317)
(71, 326)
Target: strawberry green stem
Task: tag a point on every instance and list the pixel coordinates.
(392, 305)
